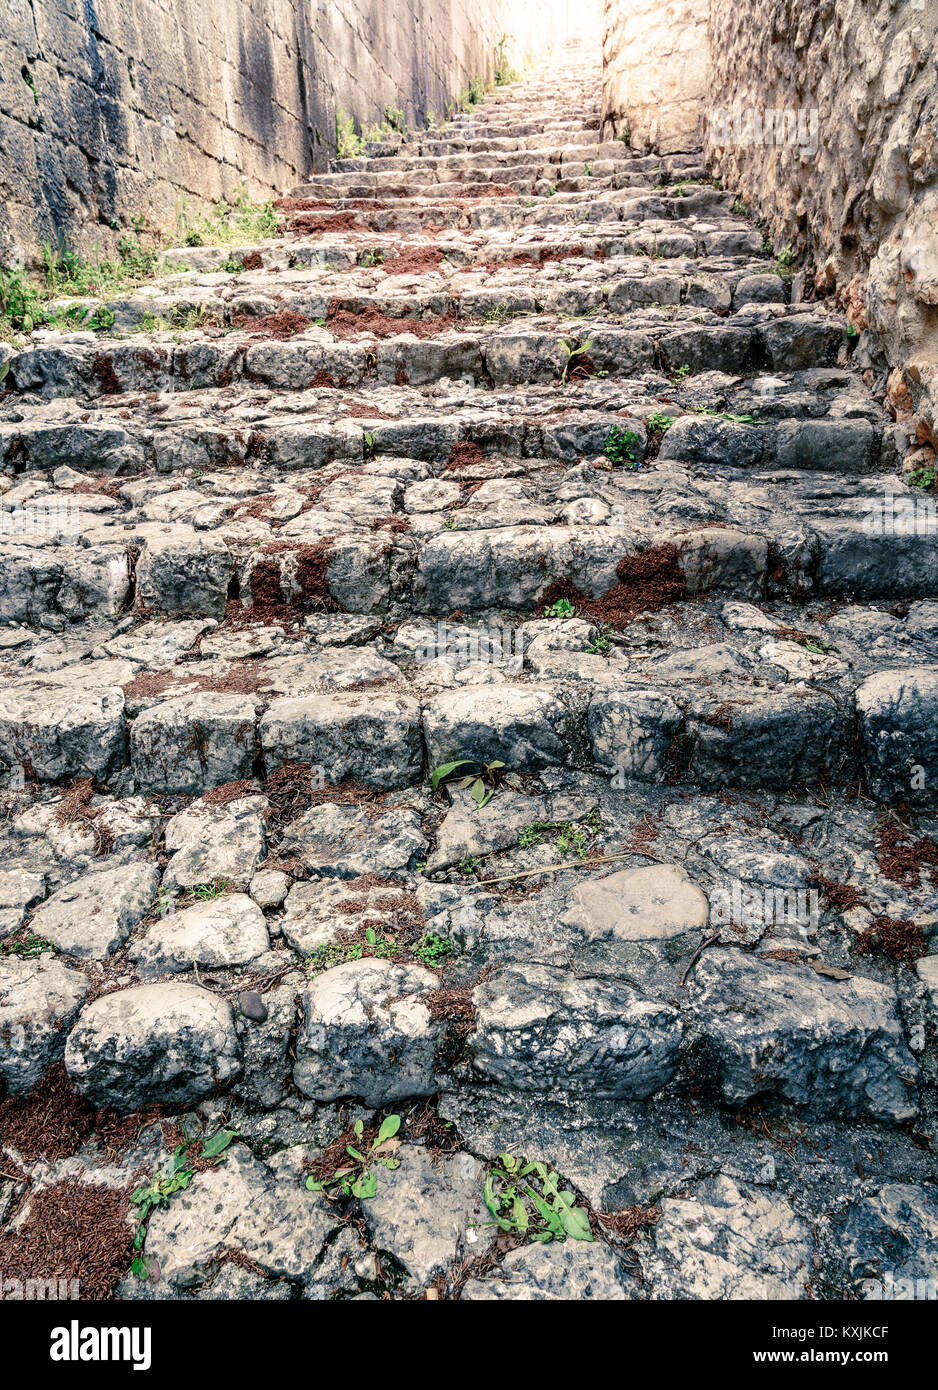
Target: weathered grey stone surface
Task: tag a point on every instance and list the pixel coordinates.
(538, 1029)
(215, 842)
(522, 727)
(61, 733)
(366, 1031)
(269, 888)
(265, 1044)
(224, 931)
(570, 1271)
(428, 1214)
(633, 731)
(321, 913)
(193, 742)
(468, 832)
(653, 903)
(726, 1240)
(893, 1232)
(898, 717)
(92, 916)
(833, 1046)
(368, 739)
(454, 535)
(39, 1000)
(344, 842)
(161, 1043)
(245, 1206)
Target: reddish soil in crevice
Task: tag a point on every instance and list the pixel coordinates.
(99, 487)
(293, 789)
(345, 323)
(242, 678)
(526, 258)
(75, 1230)
(839, 897)
(465, 454)
(54, 1121)
(646, 583)
(282, 325)
(309, 224)
(102, 368)
(359, 410)
(270, 604)
(227, 792)
(900, 856)
(490, 190)
(75, 806)
(252, 261)
(901, 941)
(414, 260)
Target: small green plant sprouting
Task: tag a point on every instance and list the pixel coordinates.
(357, 1179)
(562, 608)
(723, 415)
(600, 645)
(31, 84)
(658, 423)
(680, 374)
(589, 171)
(433, 949)
(165, 901)
(575, 352)
(504, 72)
(21, 306)
(348, 143)
(784, 262)
(922, 478)
(620, 447)
(102, 320)
(205, 892)
(477, 90)
(572, 836)
(163, 1186)
(483, 783)
(527, 1198)
(27, 947)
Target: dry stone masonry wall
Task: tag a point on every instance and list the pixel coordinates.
(111, 111)
(857, 187)
(824, 118)
(655, 73)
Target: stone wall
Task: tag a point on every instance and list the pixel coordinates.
(115, 109)
(655, 59)
(860, 199)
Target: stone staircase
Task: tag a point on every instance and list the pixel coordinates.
(511, 449)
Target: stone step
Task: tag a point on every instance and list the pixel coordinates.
(185, 705)
(679, 338)
(441, 279)
(482, 249)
